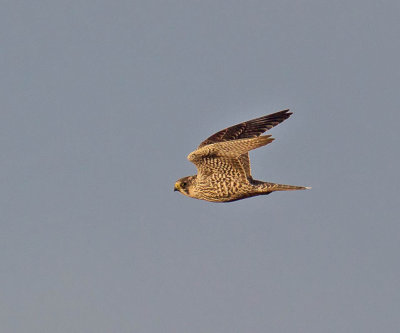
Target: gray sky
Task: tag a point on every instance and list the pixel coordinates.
(101, 101)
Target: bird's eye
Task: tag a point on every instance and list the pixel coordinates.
(183, 184)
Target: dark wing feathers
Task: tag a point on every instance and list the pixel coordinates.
(248, 129)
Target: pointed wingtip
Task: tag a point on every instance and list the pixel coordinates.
(287, 111)
(308, 187)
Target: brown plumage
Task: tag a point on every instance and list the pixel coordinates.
(223, 165)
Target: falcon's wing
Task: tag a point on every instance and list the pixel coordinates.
(248, 129)
(223, 158)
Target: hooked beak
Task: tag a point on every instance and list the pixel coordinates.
(176, 187)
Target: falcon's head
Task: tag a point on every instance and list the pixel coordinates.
(185, 185)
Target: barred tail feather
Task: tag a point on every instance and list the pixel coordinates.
(265, 187)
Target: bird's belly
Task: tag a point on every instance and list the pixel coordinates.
(222, 191)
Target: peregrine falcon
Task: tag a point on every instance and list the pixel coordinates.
(223, 165)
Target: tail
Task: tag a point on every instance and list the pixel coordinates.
(266, 188)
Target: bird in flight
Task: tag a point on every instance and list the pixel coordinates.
(223, 165)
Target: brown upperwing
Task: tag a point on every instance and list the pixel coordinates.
(247, 129)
